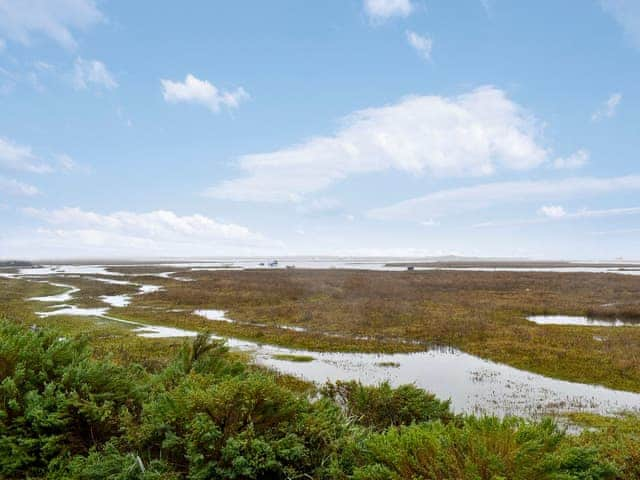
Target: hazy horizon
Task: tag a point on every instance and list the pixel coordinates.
(284, 258)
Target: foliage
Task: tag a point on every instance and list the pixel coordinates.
(66, 414)
(618, 438)
(56, 401)
(481, 449)
(382, 406)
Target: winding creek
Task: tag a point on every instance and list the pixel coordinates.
(473, 384)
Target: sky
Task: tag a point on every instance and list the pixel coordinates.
(343, 127)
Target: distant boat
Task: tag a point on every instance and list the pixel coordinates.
(289, 267)
(273, 263)
(411, 268)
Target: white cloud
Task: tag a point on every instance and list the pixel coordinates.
(19, 157)
(13, 187)
(3, 45)
(552, 211)
(478, 197)
(194, 90)
(379, 10)
(421, 44)
(608, 109)
(472, 134)
(87, 73)
(159, 232)
(608, 212)
(20, 20)
(557, 213)
(627, 14)
(576, 160)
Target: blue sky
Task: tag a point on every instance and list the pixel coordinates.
(351, 127)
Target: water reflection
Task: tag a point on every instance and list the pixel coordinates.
(581, 321)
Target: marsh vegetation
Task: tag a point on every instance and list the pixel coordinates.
(356, 430)
(483, 313)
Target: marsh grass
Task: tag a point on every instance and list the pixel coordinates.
(388, 364)
(482, 313)
(293, 358)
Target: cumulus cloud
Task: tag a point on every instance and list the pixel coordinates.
(467, 199)
(10, 186)
(194, 90)
(627, 14)
(472, 134)
(380, 10)
(92, 73)
(420, 43)
(21, 20)
(20, 157)
(576, 160)
(552, 211)
(608, 109)
(161, 232)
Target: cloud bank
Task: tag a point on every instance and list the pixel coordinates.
(473, 134)
(478, 197)
(159, 232)
(21, 20)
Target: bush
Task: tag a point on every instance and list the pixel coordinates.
(55, 401)
(382, 406)
(481, 449)
(64, 414)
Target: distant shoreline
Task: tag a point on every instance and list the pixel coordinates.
(513, 264)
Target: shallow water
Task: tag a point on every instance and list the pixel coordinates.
(116, 300)
(73, 310)
(153, 331)
(216, 315)
(537, 269)
(149, 289)
(220, 315)
(580, 321)
(308, 263)
(382, 266)
(60, 297)
(68, 269)
(473, 385)
(112, 281)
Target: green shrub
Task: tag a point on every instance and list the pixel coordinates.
(381, 406)
(481, 449)
(64, 414)
(55, 401)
